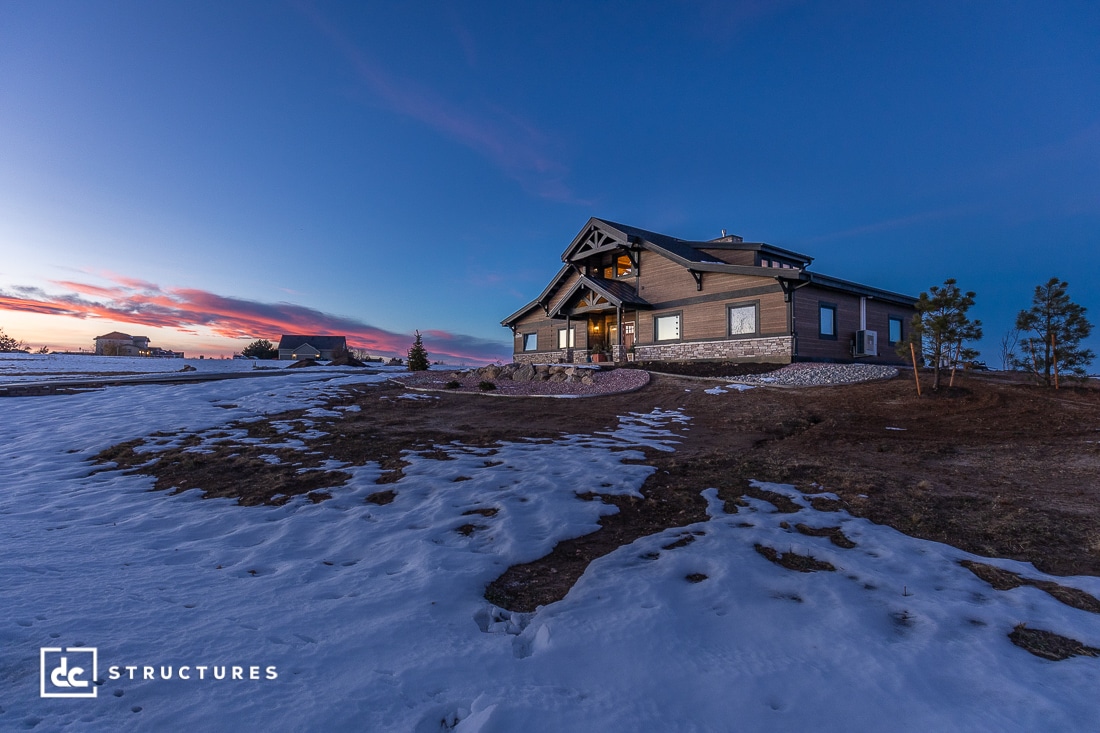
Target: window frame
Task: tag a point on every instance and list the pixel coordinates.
(571, 340)
(679, 316)
(534, 336)
(823, 306)
(890, 318)
(730, 307)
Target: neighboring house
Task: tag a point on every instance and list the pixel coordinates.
(117, 343)
(321, 348)
(629, 294)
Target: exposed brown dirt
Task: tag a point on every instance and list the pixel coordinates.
(995, 467)
(1048, 645)
(794, 561)
(1002, 579)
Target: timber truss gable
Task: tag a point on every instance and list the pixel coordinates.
(593, 294)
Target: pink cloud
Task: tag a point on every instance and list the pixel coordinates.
(185, 309)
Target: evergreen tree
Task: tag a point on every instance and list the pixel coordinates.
(418, 356)
(941, 327)
(10, 343)
(261, 349)
(1053, 314)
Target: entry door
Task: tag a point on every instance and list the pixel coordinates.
(628, 334)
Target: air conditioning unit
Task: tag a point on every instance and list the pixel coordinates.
(866, 343)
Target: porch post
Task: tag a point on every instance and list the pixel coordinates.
(619, 331)
(568, 346)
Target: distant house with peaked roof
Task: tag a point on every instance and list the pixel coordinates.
(117, 343)
(625, 293)
(321, 348)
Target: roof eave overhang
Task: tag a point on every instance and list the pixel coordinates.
(835, 283)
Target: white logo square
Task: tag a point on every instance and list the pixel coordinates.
(68, 672)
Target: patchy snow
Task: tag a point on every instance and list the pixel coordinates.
(729, 387)
(373, 616)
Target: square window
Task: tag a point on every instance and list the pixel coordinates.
(827, 320)
(742, 319)
(530, 342)
(895, 330)
(667, 328)
(567, 340)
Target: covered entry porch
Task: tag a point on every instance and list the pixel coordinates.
(600, 321)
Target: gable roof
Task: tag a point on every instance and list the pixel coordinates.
(617, 293)
(322, 343)
(601, 235)
(115, 336)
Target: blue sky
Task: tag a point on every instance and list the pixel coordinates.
(198, 171)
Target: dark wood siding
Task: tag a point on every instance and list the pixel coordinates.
(547, 330)
(563, 289)
(810, 346)
(661, 279)
(707, 321)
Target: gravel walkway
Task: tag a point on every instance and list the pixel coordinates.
(818, 375)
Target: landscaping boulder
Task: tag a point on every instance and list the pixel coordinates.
(523, 373)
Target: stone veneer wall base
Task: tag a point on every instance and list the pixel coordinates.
(776, 348)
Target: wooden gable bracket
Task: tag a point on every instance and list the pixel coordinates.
(596, 241)
(698, 279)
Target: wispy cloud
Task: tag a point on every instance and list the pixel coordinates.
(901, 222)
(517, 147)
(142, 303)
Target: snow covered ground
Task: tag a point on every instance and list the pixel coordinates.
(38, 367)
(373, 620)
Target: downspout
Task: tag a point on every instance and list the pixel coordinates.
(788, 297)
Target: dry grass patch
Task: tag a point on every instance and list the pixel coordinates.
(1048, 645)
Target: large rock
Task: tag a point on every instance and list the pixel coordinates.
(524, 373)
(489, 373)
(557, 376)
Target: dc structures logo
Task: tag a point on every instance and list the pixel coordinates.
(68, 672)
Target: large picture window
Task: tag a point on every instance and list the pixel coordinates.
(742, 319)
(826, 318)
(667, 328)
(567, 338)
(530, 342)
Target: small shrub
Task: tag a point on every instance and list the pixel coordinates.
(486, 386)
(453, 384)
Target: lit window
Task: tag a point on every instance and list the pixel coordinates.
(530, 342)
(827, 320)
(567, 340)
(667, 328)
(623, 266)
(742, 319)
(895, 330)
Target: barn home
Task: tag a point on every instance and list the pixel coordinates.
(627, 294)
